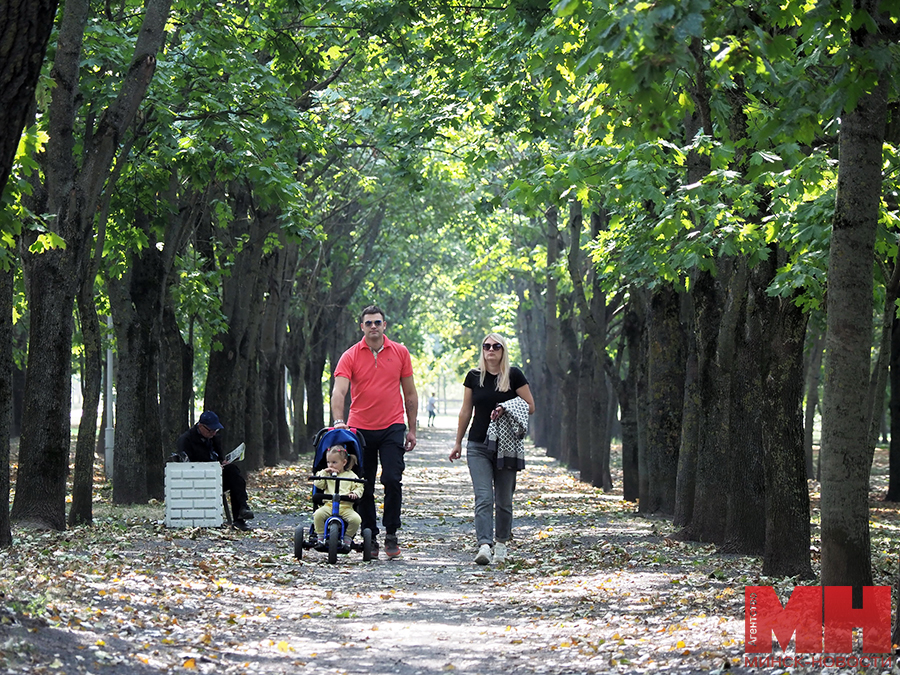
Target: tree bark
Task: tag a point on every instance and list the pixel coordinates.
(879, 377)
(273, 338)
(813, 377)
(625, 395)
(176, 374)
(553, 369)
(594, 436)
(893, 493)
(787, 494)
(686, 485)
(295, 351)
(568, 449)
(716, 305)
(605, 407)
(228, 374)
(665, 380)
(745, 529)
(315, 402)
(635, 330)
(532, 332)
(7, 282)
(136, 301)
(586, 428)
(81, 511)
(846, 558)
(25, 27)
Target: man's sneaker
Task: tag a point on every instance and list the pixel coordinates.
(245, 514)
(391, 546)
(239, 524)
(484, 555)
(499, 552)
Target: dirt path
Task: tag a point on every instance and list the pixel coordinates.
(588, 588)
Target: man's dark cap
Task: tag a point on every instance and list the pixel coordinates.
(210, 420)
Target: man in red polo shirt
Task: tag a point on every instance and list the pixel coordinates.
(375, 370)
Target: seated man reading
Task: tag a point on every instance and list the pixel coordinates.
(201, 443)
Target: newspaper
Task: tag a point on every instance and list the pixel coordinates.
(235, 455)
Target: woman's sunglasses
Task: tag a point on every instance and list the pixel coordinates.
(495, 346)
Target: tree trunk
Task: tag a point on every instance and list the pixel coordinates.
(553, 372)
(879, 377)
(813, 377)
(635, 330)
(136, 302)
(604, 409)
(586, 429)
(40, 497)
(628, 420)
(18, 384)
(296, 347)
(846, 559)
(176, 374)
(228, 374)
(665, 379)
(568, 449)
(594, 399)
(533, 343)
(253, 419)
(315, 406)
(81, 511)
(686, 485)
(787, 494)
(893, 493)
(24, 33)
(7, 280)
(716, 314)
(273, 337)
(745, 530)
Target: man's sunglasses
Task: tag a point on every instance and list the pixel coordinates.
(375, 323)
(495, 346)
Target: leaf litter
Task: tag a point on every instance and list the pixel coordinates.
(589, 587)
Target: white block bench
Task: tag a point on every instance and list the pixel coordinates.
(193, 494)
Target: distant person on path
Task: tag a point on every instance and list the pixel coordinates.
(499, 395)
(201, 443)
(374, 371)
(339, 463)
(432, 409)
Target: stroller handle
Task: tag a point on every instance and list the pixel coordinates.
(323, 497)
(335, 478)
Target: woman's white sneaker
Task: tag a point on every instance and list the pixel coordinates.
(499, 552)
(484, 555)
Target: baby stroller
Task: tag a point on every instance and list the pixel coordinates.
(335, 526)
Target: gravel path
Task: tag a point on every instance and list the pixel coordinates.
(588, 588)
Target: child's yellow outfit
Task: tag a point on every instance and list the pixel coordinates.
(346, 511)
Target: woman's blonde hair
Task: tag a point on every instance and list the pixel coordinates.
(342, 451)
(503, 375)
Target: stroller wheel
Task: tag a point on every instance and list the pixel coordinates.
(298, 542)
(367, 544)
(334, 540)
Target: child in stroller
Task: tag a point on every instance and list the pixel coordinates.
(336, 489)
(338, 477)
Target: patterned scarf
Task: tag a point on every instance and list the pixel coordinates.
(506, 435)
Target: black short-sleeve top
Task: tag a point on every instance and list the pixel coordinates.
(486, 398)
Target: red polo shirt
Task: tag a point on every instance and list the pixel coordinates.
(375, 394)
